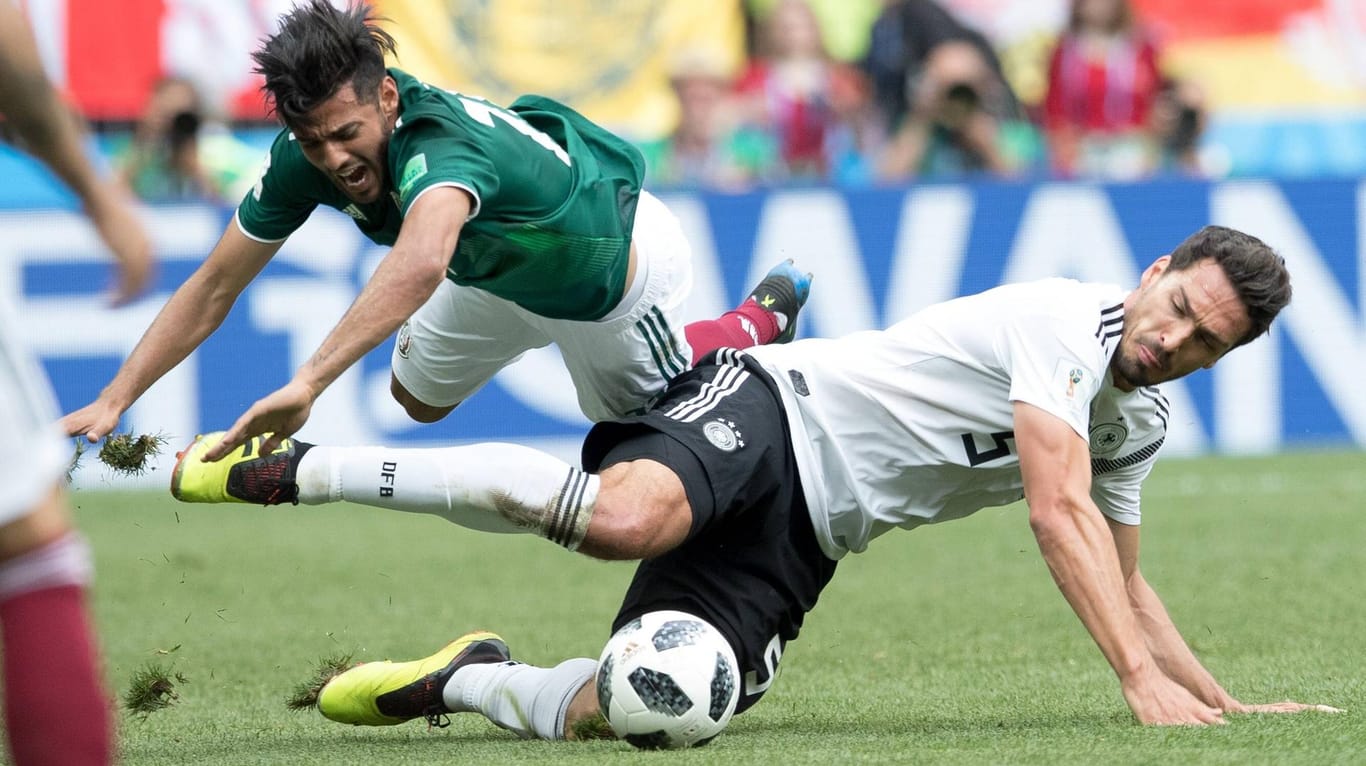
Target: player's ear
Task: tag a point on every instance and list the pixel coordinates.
(1155, 270)
(388, 97)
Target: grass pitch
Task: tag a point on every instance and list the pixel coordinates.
(949, 644)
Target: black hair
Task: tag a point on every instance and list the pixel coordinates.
(317, 51)
(1257, 273)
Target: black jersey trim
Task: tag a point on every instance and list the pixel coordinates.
(1100, 465)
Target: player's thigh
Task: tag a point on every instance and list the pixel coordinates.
(459, 339)
(755, 586)
(33, 454)
(621, 363)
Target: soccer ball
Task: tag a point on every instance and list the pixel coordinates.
(668, 679)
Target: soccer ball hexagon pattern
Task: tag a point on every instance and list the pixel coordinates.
(666, 680)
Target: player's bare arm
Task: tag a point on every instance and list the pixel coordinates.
(405, 279)
(1168, 648)
(1080, 552)
(193, 312)
(53, 134)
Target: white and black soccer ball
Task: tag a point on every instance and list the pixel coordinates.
(668, 679)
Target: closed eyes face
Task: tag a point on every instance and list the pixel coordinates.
(1177, 322)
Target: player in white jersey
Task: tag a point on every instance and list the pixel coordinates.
(758, 470)
(50, 671)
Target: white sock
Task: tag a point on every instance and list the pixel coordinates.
(526, 700)
(489, 487)
(64, 561)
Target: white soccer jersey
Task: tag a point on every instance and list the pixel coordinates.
(914, 424)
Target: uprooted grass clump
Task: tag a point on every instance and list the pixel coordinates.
(153, 688)
(305, 694)
(129, 454)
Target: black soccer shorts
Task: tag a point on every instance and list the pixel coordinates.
(751, 565)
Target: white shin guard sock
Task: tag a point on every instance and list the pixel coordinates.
(488, 487)
(526, 700)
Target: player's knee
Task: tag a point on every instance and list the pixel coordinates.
(416, 408)
(641, 512)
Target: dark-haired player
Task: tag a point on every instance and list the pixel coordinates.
(511, 229)
(759, 470)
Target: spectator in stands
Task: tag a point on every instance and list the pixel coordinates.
(1177, 121)
(175, 153)
(1102, 83)
(942, 97)
(787, 90)
(899, 58)
(710, 147)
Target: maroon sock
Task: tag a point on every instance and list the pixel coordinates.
(56, 711)
(747, 326)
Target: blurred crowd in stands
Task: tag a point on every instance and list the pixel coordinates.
(924, 98)
(928, 100)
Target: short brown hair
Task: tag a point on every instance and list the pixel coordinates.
(1258, 274)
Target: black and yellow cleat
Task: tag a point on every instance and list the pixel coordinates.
(389, 693)
(244, 476)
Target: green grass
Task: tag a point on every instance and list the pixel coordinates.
(943, 645)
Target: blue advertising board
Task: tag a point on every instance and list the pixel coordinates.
(878, 256)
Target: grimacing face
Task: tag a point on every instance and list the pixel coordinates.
(1177, 322)
(348, 139)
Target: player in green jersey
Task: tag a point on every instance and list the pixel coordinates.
(510, 229)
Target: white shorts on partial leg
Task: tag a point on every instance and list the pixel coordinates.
(33, 454)
(463, 336)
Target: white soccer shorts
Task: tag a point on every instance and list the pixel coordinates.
(463, 336)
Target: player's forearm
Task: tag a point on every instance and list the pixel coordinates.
(1169, 649)
(49, 131)
(192, 314)
(1081, 557)
(401, 284)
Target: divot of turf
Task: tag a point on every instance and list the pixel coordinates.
(152, 688)
(129, 454)
(305, 694)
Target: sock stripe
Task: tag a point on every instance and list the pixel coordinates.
(576, 506)
(554, 525)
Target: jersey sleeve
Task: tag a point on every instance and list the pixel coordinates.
(284, 196)
(1053, 366)
(429, 152)
(1116, 493)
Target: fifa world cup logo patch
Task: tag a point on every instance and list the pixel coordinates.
(1073, 378)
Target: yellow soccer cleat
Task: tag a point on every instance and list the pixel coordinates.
(244, 476)
(388, 693)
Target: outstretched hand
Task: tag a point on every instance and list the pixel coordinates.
(276, 417)
(94, 421)
(122, 232)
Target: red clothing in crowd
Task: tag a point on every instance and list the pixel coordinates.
(1110, 94)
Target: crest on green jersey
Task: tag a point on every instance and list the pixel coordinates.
(415, 169)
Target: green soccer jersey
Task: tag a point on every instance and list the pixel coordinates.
(554, 196)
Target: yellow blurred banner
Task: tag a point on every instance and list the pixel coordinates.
(607, 58)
